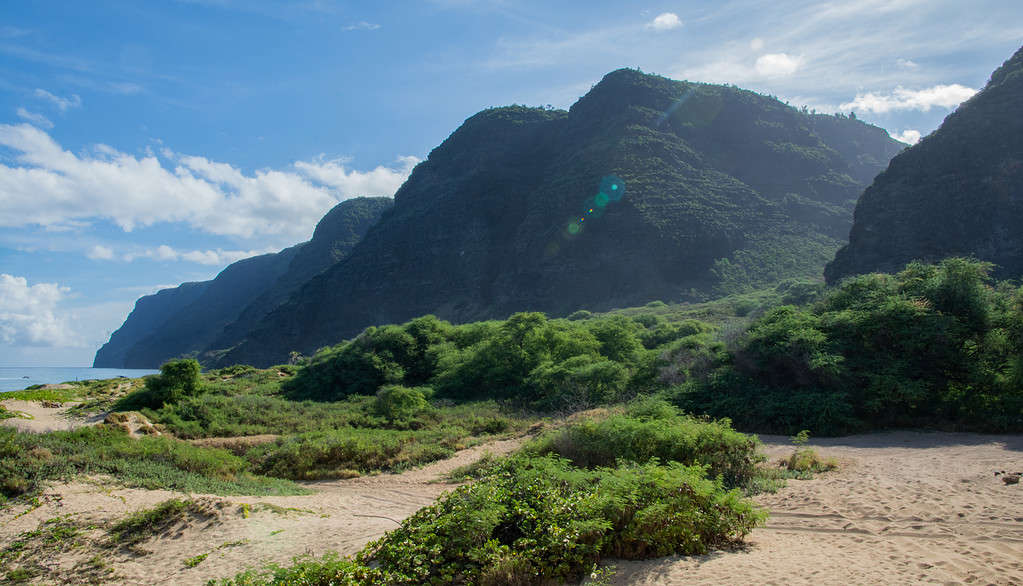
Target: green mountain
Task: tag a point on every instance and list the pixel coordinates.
(958, 192)
(187, 319)
(647, 188)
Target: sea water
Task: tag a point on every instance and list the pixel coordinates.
(13, 378)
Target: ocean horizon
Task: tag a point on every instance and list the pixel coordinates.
(15, 378)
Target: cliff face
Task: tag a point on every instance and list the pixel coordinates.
(958, 192)
(195, 316)
(647, 188)
(150, 312)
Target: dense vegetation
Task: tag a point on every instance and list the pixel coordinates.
(934, 345)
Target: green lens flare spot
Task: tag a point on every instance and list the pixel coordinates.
(574, 228)
(601, 199)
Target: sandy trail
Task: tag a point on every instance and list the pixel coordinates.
(43, 419)
(905, 508)
(340, 516)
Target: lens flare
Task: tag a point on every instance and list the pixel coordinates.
(574, 228)
(613, 187)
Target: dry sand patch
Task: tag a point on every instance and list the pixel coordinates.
(904, 508)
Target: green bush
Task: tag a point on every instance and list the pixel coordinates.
(932, 345)
(650, 430)
(397, 403)
(535, 520)
(177, 379)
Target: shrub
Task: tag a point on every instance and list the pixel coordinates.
(177, 379)
(538, 519)
(652, 429)
(397, 403)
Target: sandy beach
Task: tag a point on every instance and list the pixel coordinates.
(903, 507)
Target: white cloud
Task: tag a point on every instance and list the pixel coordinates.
(777, 65)
(907, 63)
(62, 104)
(944, 96)
(756, 44)
(100, 252)
(908, 136)
(665, 21)
(216, 257)
(361, 26)
(28, 314)
(37, 119)
(53, 187)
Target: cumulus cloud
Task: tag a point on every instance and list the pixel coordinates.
(37, 119)
(215, 257)
(943, 96)
(28, 314)
(361, 26)
(99, 252)
(62, 104)
(908, 136)
(756, 44)
(907, 63)
(777, 65)
(53, 187)
(665, 21)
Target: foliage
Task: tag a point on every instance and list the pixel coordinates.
(27, 460)
(539, 519)
(931, 345)
(399, 404)
(347, 452)
(652, 429)
(177, 379)
(144, 524)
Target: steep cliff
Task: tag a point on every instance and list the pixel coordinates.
(188, 319)
(958, 192)
(647, 188)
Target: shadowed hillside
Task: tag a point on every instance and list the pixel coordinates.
(959, 192)
(648, 188)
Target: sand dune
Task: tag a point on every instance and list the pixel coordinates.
(904, 508)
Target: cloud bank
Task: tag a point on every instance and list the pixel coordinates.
(53, 187)
(28, 314)
(944, 96)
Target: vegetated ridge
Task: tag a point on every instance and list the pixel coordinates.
(648, 188)
(958, 192)
(186, 319)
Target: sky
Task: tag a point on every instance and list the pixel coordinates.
(144, 144)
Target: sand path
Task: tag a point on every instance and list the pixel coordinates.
(905, 508)
(340, 516)
(43, 419)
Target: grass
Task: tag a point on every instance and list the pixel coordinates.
(20, 558)
(145, 524)
(28, 460)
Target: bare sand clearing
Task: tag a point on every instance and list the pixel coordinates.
(341, 516)
(904, 508)
(42, 419)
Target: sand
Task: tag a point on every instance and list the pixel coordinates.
(904, 508)
(43, 419)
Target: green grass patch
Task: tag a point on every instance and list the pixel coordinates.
(28, 460)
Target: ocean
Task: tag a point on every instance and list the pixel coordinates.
(13, 378)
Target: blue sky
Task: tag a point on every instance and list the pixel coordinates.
(143, 144)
